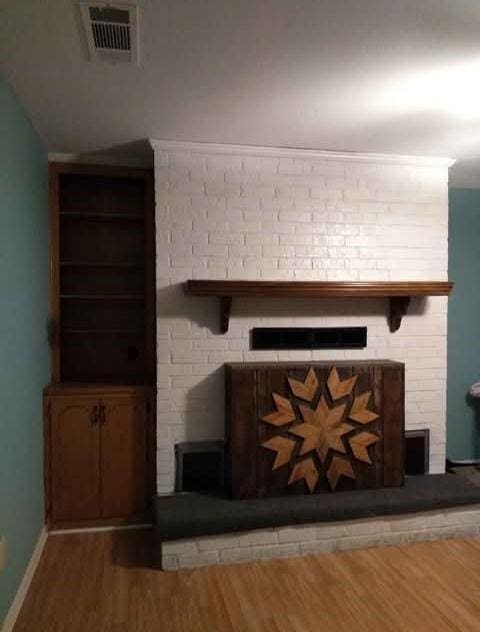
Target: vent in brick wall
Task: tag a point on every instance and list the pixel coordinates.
(309, 337)
(417, 452)
(198, 466)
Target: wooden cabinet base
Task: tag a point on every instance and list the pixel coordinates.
(99, 455)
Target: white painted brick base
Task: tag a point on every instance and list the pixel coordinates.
(264, 544)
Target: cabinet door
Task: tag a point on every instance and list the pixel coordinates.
(74, 460)
(123, 458)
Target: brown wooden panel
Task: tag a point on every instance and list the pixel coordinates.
(241, 431)
(394, 426)
(74, 459)
(302, 426)
(271, 482)
(123, 460)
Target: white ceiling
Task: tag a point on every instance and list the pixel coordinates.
(384, 76)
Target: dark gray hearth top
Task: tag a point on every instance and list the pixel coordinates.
(189, 515)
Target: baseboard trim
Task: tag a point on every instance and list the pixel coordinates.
(17, 603)
(125, 527)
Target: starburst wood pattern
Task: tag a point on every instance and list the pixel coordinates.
(359, 444)
(326, 425)
(359, 411)
(283, 447)
(319, 427)
(339, 467)
(322, 429)
(307, 471)
(338, 388)
(284, 414)
(305, 390)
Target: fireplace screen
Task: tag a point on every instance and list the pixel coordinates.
(309, 428)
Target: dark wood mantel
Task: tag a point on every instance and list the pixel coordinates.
(397, 292)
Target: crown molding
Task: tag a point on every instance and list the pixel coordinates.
(288, 152)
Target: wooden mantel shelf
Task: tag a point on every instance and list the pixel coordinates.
(398, 292)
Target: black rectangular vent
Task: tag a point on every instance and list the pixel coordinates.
(199, 466)
(417, 451)
(309, 337)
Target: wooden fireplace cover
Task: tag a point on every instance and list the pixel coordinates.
(295, 428)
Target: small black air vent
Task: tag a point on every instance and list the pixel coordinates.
(417, 451)
(309, 338)
(199, 466)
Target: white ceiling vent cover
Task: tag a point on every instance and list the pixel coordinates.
(111, 31)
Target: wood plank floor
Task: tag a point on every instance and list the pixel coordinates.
(102, 582)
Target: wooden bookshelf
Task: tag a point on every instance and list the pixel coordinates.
(102, 274)
(99, 408)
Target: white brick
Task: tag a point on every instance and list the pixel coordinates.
(260, 163)
(409, 523)
(367, 527)
(461, 517)
(223, 163)
(230, 556)
(296, 534)
(258, 538)
(179, 547)
(359, 542)
(169, 562)
(276, 551)
(217, 543)
(317, 546)
(332, 530)
(226, 238)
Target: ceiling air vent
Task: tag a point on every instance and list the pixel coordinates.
(111, 30)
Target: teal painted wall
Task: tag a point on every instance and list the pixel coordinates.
(463, 419)
(24, 355)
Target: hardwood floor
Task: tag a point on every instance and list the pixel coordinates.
(102, 582)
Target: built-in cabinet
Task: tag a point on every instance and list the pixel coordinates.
(97, 465)
(99, 419)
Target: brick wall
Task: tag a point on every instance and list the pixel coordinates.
(255, 213)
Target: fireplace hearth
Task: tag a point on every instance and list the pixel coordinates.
(312, 428)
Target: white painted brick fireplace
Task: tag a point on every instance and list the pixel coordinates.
(238, 212)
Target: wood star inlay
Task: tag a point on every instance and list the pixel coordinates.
(284, 414)
(283, 447)
(339, 467)
(359, 411)
(306, 470)
(336, 387)
(322, 430)
(359, 444)
(305, 390)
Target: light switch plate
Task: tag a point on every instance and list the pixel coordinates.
(3, 553)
